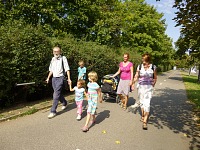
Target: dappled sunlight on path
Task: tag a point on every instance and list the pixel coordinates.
(170, 109)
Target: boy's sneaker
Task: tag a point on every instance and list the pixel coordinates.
(64, 107)
(51, 115)
(78, 117)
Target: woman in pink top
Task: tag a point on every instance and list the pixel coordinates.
(126, 78)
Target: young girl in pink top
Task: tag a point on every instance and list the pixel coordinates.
(126, 78)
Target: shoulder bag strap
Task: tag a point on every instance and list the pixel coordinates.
(63, 67)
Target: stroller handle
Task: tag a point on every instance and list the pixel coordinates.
(109, 76)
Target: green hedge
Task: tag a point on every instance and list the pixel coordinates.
(24, 53)
(97, 58)
(102, 59)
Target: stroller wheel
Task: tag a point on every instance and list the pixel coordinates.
(117, 99)
(104, 96)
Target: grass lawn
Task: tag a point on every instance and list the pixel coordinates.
(193, 89)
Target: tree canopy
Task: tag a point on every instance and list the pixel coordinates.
(78, 26)
(188, 17)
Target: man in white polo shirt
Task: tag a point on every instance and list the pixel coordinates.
(57, 64)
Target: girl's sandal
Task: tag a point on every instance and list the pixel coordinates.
(124, 107)
(145, 126)
(85, 129)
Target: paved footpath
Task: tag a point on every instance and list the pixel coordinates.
(171, 126)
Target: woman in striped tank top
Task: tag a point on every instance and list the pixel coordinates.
(147, 77)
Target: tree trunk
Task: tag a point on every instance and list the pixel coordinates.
(199, 74)
(190, 71)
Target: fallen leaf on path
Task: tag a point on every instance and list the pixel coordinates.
(117, 142)
(104, 131)
(185, 135)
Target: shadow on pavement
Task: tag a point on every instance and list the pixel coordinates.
(69, 107)
(111, 100)
(176, 78)
(84, 113)
(169, 109)
(102, 116)
(131, 101)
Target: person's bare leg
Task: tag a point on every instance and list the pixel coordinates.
(85, 128)
(125, 101)
(142, 111)
(93, 117)
(121, 99)
(146, 112)
(146, 116)
(87, 119)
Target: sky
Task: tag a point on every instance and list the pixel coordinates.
(165, 7)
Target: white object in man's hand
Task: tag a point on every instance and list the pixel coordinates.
(47, 80)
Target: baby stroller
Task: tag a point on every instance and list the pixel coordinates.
(109, 87)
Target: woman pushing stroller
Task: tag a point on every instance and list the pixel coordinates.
(126, 79)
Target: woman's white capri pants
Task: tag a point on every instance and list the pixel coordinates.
(145, 94)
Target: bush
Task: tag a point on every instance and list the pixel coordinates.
(24, 54)
(101, 59)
